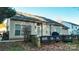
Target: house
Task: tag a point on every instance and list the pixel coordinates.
(17, 24)
(39, 26)
(53, 26)
(73, 28)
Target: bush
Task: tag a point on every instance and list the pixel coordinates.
(68, 40)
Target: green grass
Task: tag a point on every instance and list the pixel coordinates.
(11, 46)
(15, 49)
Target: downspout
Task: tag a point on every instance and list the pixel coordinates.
(41, 29)
(50, 29)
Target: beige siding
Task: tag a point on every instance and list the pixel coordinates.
(43, 29)
(12, 28)
(46, 30)
(64, 32)
(38, 30)
(53, 28)
(59, 29)
(33, 28)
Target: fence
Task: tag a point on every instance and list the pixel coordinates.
(64, 38)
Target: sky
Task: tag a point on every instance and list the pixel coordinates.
(70, 14)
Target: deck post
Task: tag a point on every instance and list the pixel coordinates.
(38, 43)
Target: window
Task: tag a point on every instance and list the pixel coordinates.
(76, 27)
(72, 26)
(17, 32)
(17, 29)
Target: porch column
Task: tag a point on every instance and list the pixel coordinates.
(41, 29)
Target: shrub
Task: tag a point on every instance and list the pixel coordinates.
(68, 40)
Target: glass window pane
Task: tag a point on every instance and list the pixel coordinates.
(17, 32)
(17, 27)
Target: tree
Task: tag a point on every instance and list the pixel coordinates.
(6, 12)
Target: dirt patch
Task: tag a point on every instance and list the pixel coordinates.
(60, 46)
(21, 46)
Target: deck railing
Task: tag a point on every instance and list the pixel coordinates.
(64, 38)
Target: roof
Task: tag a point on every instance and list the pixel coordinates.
(20, 17)
(71, 23)
(53, 22)
(35, 18)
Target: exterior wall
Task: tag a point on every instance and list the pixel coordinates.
(59, 29)
(46, 29)
(12, 28)
(56, 29)
(64, 32)
(70, 27)
(33, 28)
(53, 29)
(39, 30)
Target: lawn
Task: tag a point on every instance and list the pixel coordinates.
(22, 46)
(11, 46)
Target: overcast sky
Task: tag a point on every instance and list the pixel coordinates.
(70, 14)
